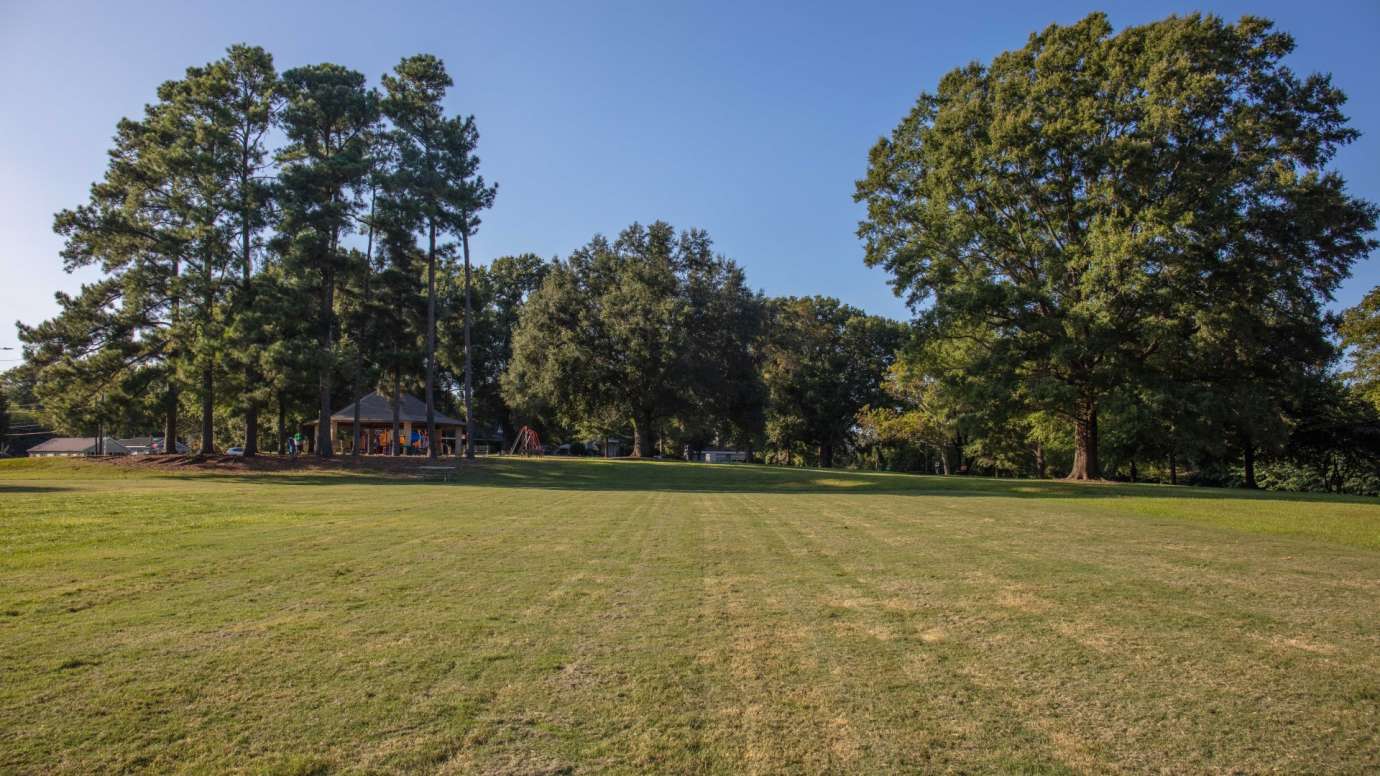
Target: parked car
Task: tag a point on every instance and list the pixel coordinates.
(235, 451)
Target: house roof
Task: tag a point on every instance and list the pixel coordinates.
(77, 445)
(377, 408)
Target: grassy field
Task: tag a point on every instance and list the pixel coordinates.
(591, 616)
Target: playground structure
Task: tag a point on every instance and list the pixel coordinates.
(527, 443)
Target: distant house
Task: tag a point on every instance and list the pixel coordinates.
(69, 447)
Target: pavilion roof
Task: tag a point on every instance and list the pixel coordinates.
(377, 408)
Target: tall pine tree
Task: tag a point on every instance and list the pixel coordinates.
(328, 116)
(435, 184)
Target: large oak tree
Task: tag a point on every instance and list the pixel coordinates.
(1095, 198)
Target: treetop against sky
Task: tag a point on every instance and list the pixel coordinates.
(750, 122)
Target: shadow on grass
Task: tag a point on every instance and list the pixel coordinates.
(679, 477)
(31, 489)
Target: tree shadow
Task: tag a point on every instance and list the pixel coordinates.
(681, 477)
(32, 489)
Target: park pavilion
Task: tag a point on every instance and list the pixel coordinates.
(376, 424)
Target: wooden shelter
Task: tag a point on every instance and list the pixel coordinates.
(376, 426)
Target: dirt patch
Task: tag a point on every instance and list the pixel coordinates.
(1101, 640)
(1303, 643)
(934, 636)
(1022, 600)
(843, 742)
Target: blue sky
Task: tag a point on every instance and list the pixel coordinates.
(750, 120)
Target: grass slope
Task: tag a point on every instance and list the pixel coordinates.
(588, 616)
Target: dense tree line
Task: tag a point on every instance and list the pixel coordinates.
(277, 245)
(1120, 248)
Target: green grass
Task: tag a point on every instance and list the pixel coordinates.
(591, 616)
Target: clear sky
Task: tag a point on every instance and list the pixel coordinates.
(751, 120)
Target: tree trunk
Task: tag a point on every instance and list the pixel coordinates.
(251, 414)
(826, 456)
(509, 430)
(953, 463)
(170, 430)
(170, 423)
(282, 423)
(944, 458)
(1085, 464)
(431, 341)
(642, 438)
(1133, 470)
(359, 345)
(397, 404)
(208, 400)
(469, 360)
(1040, 464)
(354, 424)
(324, 442)
(1173, 468)
(1250, 465)
(251, 374)
(208, 409)
(251, 421)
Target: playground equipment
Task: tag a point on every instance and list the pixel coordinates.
(527, 442)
